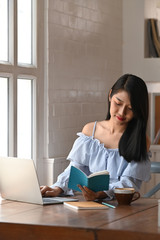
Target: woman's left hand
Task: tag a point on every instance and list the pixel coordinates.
(90, 195)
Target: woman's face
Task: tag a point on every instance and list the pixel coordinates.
(120, 108)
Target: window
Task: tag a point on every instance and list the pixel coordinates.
(4, 116)
(21, 74)
(4, 30)
(154, 118)
(25, 38)
(24, 118)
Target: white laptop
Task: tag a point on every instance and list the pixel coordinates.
(19, 182)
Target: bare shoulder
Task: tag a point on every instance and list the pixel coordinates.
(88, 129)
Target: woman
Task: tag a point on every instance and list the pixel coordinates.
(118, 144)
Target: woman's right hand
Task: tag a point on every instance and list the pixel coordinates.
(50, 192)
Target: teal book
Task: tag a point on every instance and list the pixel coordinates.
(98, 181)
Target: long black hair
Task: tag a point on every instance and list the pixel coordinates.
(132, 144)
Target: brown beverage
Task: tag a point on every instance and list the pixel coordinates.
(125, 196)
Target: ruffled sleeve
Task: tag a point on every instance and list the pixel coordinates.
(132, 175)
(89, 152)
(79, 151)
(118, 167)
(138, 170)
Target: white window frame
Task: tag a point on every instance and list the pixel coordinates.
(153, 89)
(36, 72)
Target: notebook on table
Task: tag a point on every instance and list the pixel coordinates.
(84, 205)
(19, 182)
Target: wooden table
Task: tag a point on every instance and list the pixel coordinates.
(28, 221)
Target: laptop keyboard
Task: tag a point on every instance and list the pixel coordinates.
(57, 199)
(50, 200)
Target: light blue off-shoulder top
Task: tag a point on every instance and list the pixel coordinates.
(91, 156)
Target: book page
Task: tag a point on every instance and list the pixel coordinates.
(99, 173)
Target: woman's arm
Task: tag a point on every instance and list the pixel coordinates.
(61, 186)
(89, 195)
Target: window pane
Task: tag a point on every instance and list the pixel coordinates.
(24, 31)
(3, 30)
(24, 118)
(4, 116)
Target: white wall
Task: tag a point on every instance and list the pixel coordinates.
(85, 59)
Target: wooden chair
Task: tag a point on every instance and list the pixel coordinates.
(155, 168)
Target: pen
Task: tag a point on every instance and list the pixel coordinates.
(109, 205)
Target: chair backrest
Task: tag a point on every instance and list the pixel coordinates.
(155, 167)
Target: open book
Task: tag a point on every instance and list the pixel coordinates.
(85, 205)
(98, 181)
